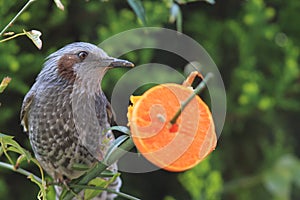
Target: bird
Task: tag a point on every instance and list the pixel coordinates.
(67, 115)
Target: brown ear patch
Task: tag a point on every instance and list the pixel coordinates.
(65, 67)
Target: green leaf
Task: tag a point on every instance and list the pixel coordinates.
(63, 194)
(116, 143)
(98, 169)
(122, 129)
(107, 173)
(139, 10)
(42, 194)
(9, 144)
(34, 35)
(14, 146)
(80, 167)
(4, 135)
(100, 183)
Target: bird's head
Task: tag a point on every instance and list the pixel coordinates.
(79, 60)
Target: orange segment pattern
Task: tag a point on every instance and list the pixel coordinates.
(173, 147)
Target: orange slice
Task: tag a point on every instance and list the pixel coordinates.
(173, 147)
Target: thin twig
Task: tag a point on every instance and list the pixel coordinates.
(12, 37)
(197, 90)
(5, 152)
(20, 170)
(17, 15)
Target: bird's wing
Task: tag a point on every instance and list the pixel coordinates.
(110, 113)
(25, 109)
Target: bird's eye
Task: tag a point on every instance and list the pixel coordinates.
(82, 55)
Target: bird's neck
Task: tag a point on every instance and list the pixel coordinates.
(89, 82)
(88, 79)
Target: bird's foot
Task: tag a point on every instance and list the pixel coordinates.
(63, 180)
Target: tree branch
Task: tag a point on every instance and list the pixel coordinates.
(197, 90)
(20, 170)
(17, 15)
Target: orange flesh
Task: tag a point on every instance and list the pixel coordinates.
(174, 147)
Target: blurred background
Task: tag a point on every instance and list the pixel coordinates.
(255, 44)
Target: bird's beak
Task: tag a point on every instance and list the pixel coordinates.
(120, 63)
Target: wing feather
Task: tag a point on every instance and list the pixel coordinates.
(25, 109)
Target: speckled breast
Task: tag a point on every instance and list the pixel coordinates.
(53, 134)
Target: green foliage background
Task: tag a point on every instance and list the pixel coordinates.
(255, 44)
